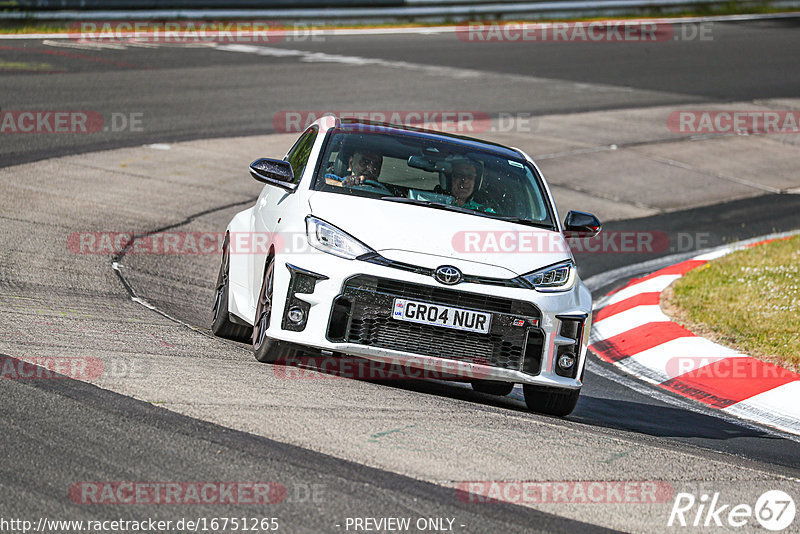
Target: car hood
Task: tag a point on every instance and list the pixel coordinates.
(430, 237)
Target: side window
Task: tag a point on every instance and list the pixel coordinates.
(298, 155)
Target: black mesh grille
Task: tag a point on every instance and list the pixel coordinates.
(371, 323)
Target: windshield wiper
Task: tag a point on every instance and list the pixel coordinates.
(407, 200)
(436, 205)
(527, 222)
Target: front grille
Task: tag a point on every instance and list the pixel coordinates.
(370, 301)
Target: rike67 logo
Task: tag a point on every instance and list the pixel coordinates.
(774, 510)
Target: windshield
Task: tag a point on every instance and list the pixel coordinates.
(441, 174)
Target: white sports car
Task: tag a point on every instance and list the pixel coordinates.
(395, 244)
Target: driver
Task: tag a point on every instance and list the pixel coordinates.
(466, 174)
(364, 164)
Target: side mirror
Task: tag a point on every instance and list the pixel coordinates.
(274, 172)
(580, 224)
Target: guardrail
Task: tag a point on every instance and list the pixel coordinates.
(354, 10)
(155, 5)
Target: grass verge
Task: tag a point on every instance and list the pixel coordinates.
(748, 300)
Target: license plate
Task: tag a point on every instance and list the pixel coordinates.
(445, 316)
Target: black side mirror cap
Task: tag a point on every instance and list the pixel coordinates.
(580, 224)
(274, 172)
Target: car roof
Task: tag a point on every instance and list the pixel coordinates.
(357, 125)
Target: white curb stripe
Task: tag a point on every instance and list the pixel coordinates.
(713, 255)
(628, 320)
(680, 356)
(653, 285)
(778, 407)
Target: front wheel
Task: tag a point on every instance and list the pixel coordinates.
(551, 401)
(221, 325)
(265, 349)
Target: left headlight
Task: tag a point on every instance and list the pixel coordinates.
(559, 277)
(328, 238)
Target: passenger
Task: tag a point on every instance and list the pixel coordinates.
(364, 164)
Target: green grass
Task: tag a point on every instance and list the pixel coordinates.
(749, 300)
(20, 27)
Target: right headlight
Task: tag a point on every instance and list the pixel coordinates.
(328, 238)
(559, 277)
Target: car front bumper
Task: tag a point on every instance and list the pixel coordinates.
(347, 308)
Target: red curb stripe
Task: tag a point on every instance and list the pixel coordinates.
(679, 268)
(638, 340)
(730, 380)
(606, 351)
(785, 238)
(642, 299)
(720, 384)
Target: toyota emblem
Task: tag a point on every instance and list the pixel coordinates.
(448, 275)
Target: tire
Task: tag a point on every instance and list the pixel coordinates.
(221, 326)
(265, 349)
(551, 401)
(492, 387)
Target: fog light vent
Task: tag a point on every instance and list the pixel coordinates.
(566, 361)
(296, 315)
(296, 310)
(532, 362)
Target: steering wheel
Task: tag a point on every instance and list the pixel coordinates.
(373, 184)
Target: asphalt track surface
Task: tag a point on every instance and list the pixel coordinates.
(190, 93)
(58, 432)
